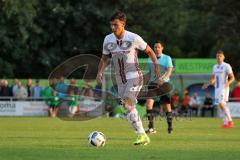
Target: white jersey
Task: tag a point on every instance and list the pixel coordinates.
(124, 55)
(221, 73)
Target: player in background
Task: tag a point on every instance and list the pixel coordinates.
(123, 46)
(165, 63)
(222, 77)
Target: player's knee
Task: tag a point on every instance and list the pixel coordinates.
(131, 118)
(129, 104)
(149, 107)
(168, 107)
(222, 105)
(149, 104)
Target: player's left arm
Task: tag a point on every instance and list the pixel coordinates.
(142, 45)
(169, 71)
(231, 77)
(153, 57)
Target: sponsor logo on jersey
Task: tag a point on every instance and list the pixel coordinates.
(125, 45)
(110, 46)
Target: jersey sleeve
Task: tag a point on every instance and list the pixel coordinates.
(229, 69)
(213, 70)
(169, 62)
(105, 51)
(140, 43)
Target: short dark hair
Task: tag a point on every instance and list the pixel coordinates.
(161, 42)
(119, 15)
(220, 52)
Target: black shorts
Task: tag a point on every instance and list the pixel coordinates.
(164, 99)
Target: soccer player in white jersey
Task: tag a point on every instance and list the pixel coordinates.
(222, 77)
(123, 46)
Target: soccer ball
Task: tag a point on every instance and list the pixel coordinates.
(97, 139)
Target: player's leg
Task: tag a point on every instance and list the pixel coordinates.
(230, 121)
(133, 116)
(167, 100)
(218, 99)
(72, 110)
(150, 116)
(222, 99)
(136, 122)
(55, 111)
(227, 119)
(51, 111)
(130, 94)
(174, 110)
(149, 105)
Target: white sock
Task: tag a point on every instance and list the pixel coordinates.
(228, 114)
(135, 121)
(225, 119)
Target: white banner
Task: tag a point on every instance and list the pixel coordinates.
(234, 108)
(7, 108)
(89, 105)
(39, 108)
(23, 108)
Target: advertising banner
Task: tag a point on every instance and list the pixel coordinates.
(23, 108)
(194, 66)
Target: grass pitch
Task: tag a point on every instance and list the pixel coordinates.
(54, 139)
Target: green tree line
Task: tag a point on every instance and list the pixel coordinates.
(36, 36)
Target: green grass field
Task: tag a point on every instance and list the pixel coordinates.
(54, 139)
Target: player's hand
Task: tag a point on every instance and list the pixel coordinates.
(162, 80)
(226, 85)
(99, 78)
(205, 86)
(156, 70)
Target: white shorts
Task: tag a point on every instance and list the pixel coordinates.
(221, 95)
(130, 89)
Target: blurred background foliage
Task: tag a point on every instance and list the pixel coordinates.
(36, 36)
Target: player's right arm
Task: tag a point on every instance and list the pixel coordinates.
(103, 61)
(211, 82)
(101, 67)
(212, 79)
